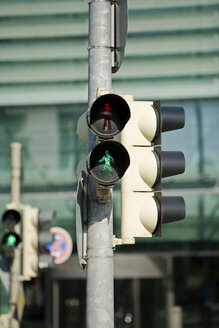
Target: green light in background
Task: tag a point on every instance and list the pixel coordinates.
(11, 240)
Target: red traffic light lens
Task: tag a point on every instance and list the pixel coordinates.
(108, 115)
(10, 218)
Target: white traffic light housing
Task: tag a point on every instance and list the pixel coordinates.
(30, 242)
(109, 159)
(144, 209)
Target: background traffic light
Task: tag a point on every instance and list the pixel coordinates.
(33, 241)
(11, 238)
(144, 209)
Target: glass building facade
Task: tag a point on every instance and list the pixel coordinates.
(172, 54)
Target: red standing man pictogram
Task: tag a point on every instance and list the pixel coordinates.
(106, 114)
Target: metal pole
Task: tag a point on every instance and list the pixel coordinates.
(15, 200)
(170, 299)
(137, 303)
(16, 173)
(100, 305)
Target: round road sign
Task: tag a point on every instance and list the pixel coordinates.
(61, 248)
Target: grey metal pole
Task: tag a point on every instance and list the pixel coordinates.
(170, 299)
(16, 173)
(136, 303)
(100, 305)
(15, 201)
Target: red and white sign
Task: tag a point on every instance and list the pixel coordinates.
(61, 248)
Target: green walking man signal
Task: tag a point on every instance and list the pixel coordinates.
(10, 240)
(108, 159)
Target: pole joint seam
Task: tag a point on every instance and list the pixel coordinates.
(90, 1)
(100, 47)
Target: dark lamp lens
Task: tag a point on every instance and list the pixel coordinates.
(10, 218)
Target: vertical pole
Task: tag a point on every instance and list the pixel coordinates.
(15, 200)
(100, 305)
(170, 298)
(16, 173)
(136, 303)
(56, 295)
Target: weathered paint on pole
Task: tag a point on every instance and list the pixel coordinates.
(15, 202)
(100, 297)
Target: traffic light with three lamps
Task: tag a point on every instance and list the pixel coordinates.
(143, 207)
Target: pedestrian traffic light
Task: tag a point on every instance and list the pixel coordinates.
(144, 209)
(108, 160)
(34, 240)
(11, 239)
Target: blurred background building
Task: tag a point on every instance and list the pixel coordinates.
(172, 55)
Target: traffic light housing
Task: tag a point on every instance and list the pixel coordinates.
(34, 240)
(144, 209)
(109, 159)
(11, 238)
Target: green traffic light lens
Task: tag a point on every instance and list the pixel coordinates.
(10, 240)
(107, 162)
